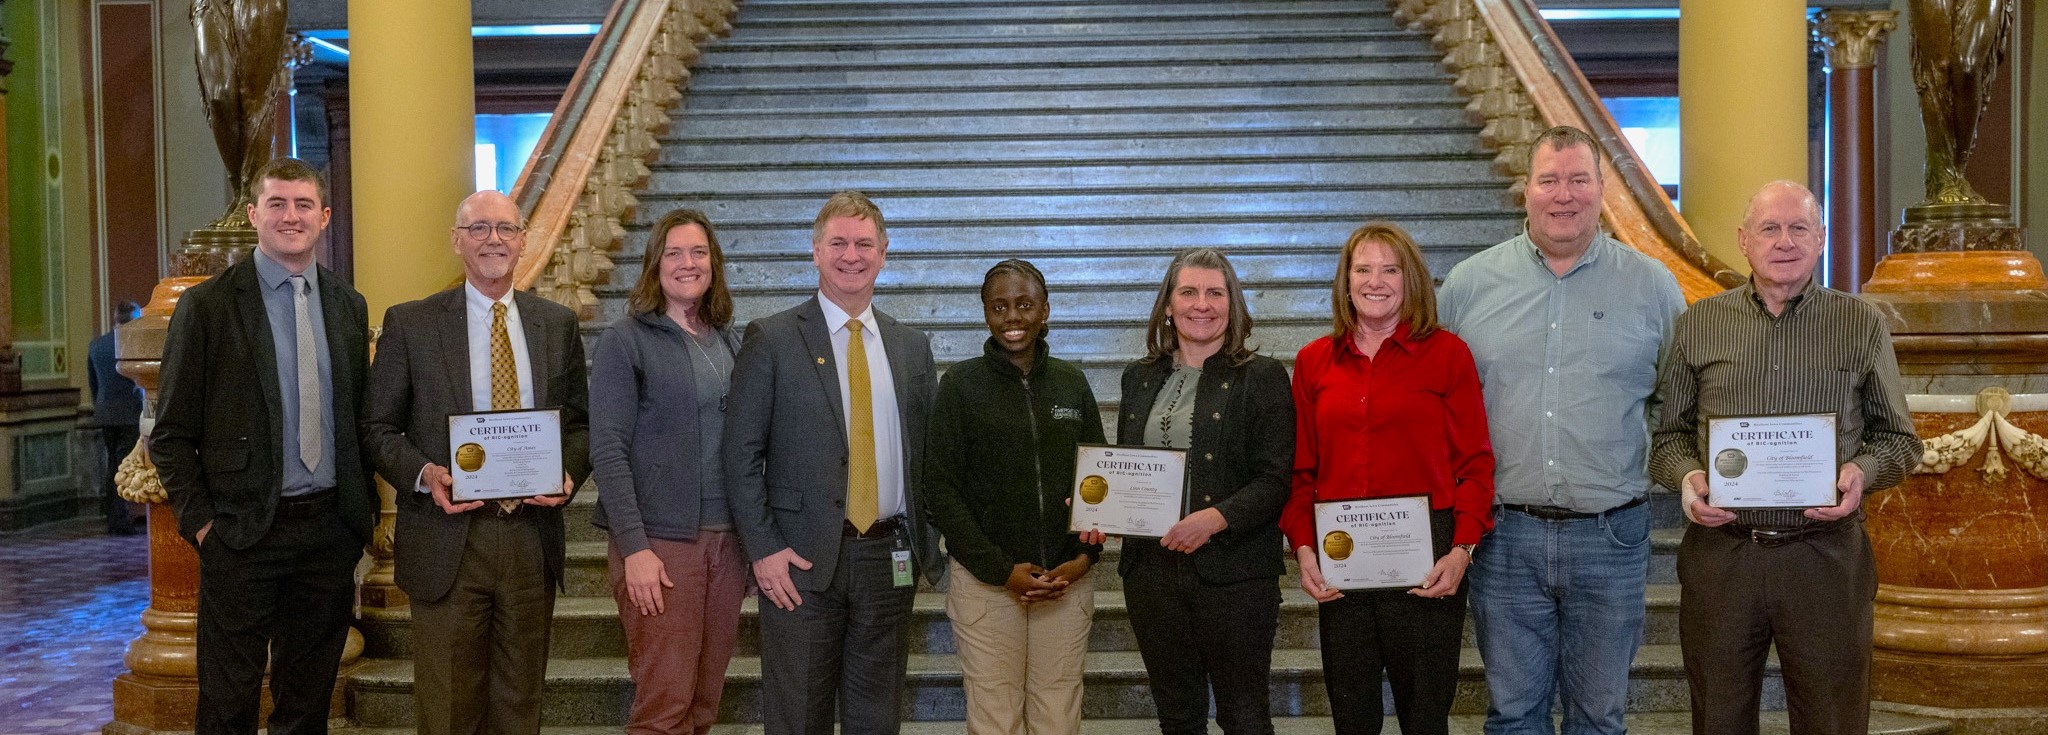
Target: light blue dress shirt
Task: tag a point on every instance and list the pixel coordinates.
(284, 339)
(1568, 363)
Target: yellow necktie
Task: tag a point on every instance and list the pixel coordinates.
(504, 377)
(861, 501)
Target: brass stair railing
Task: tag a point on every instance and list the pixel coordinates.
(1521, 81)
(577, 188)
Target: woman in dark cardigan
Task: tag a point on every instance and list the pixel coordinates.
(1205, 599)
(657, 412)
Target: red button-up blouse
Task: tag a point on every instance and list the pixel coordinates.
(1408, 421)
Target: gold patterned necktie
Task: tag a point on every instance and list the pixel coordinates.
(862, 503)
(504, 377)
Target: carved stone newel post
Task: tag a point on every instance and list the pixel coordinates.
(1962, 546)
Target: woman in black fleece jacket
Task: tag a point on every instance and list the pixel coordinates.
(999, 462)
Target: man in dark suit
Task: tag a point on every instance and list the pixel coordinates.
(823, 443)
(269, 484)
(116, 409)
(481, 575)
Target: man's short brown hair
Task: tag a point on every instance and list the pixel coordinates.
(285, 168)
(1563, 137)
(850, 204)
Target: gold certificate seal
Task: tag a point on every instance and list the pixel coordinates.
(1094, 489)
(470, 457)
(1337, 545)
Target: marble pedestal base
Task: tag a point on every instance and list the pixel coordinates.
(1983, 721)
(147, 705)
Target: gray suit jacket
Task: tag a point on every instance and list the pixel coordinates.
(785, 439)
(419, 377)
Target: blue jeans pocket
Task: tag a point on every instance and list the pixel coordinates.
(1628, 529)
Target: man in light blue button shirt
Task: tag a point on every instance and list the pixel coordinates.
(1565, 324)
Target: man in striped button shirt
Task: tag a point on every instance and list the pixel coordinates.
(1781, 344)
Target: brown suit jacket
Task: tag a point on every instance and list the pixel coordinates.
(420, 376)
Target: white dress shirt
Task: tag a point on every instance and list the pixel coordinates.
(477, 317)
(882, 398)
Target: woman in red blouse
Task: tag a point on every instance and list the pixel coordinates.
(1389, 405)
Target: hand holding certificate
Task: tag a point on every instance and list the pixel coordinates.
(1374, 543)
(505, 454)
(1759, 462)
(1128, 491)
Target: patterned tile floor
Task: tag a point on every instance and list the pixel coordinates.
(70, 600)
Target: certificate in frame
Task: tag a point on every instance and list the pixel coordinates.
(1128, 491)
(500, 455)
(1772, 462)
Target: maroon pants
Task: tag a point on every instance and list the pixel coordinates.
(678, 657)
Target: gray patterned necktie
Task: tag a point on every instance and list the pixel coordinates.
(309, 378)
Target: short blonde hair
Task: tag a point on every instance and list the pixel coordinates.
(854, 204)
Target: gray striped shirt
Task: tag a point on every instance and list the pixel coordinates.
(1827, 353)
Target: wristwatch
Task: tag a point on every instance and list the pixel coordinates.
(1470, 549)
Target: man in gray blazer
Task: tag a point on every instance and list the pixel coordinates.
(482, 576)
(823, 443)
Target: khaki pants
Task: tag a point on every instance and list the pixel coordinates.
(1022, 664)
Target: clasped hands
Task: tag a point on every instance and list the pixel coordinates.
(1029, 583)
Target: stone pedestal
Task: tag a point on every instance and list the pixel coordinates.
(39, 473)
(1962, 545)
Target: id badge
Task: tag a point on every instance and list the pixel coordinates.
(899, 565)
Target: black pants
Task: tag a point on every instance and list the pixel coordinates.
(119, 440)
(1414, 640)
(1811, 599)
(845, 646)
(284, 602)
(1196, 636)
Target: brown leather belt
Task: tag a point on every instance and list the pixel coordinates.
(309, 505)
(1770, 538)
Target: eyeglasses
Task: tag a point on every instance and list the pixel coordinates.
(483, 230)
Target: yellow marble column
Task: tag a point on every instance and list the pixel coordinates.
(1742, 109)
(412, 117)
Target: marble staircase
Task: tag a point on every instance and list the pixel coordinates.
(1096, 139)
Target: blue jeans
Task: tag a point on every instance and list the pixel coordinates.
(1558, 606)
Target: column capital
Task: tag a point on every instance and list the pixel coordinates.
(1850, 37)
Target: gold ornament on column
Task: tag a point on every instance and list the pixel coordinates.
(1851, 37)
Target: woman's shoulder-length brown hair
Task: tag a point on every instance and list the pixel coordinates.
(1160, 338)
(1418, 289)
(646, 296)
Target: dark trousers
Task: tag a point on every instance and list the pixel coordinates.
(284, 603)
(1196, 637)
(1414, 640)
(480, 653)
(844, 646)
(1811, 598)
(119, 441)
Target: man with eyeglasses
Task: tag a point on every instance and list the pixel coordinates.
(482, 575)
(1565, 324)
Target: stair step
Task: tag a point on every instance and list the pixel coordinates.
(596, 691)
(725, 58)
(589, 625)
(715, 175)
(836, 77)
(1359, 202)
(1641, 723)
(1176, 37)
(1113, 22)
(711, 126)
(1039, 10)
(1426, 87)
